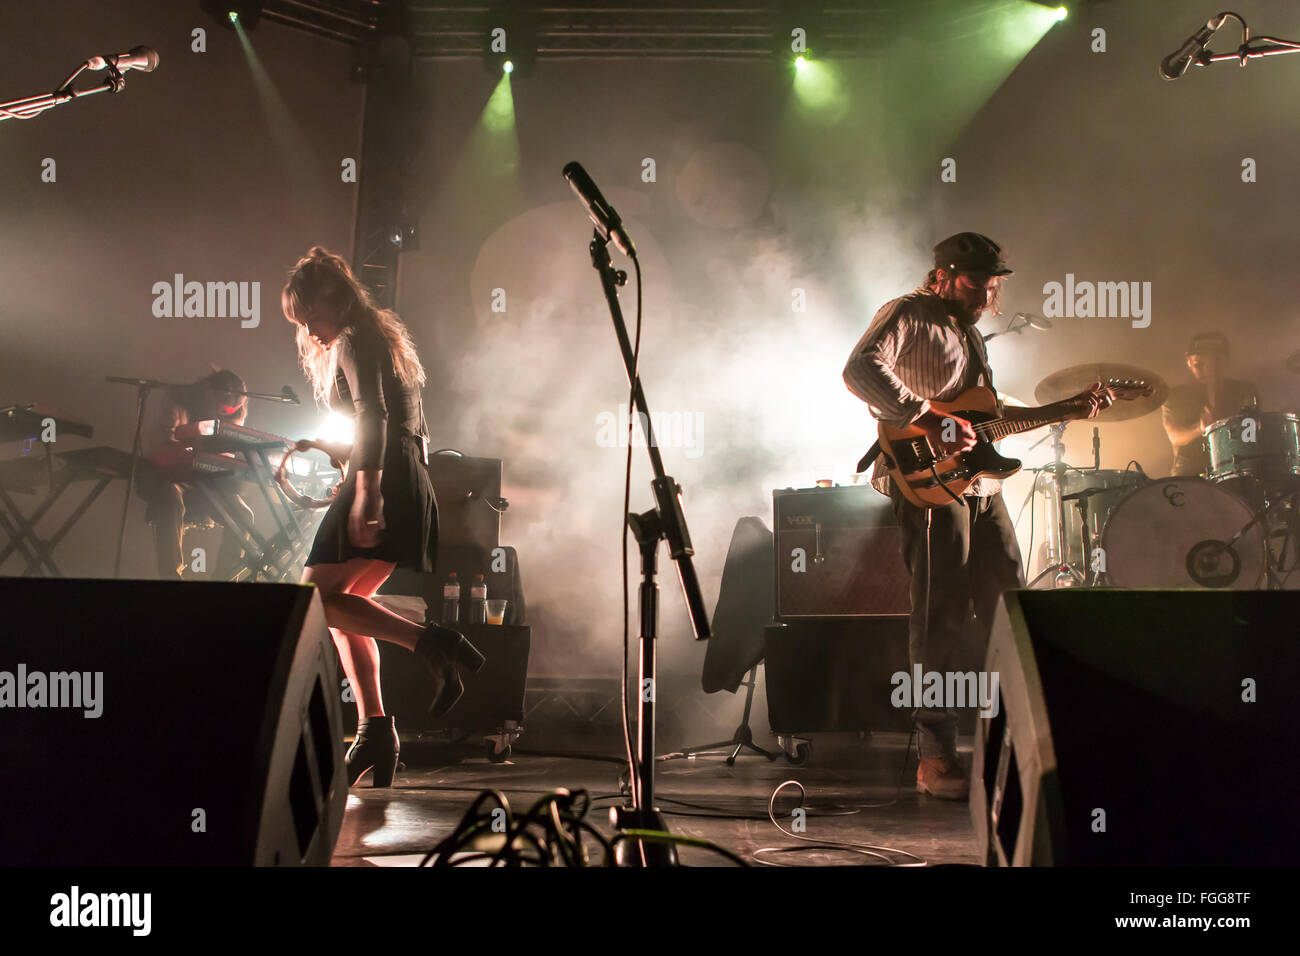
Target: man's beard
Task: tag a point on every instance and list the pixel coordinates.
(965, 316)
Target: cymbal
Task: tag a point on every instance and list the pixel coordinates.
(1069, 382)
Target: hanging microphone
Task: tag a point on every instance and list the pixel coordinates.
(603, 215)
(1036, 322)
(137, 58)
(1177, 63)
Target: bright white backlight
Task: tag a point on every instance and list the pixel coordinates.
(337, 428)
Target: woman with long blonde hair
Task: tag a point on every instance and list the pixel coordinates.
(359, 358)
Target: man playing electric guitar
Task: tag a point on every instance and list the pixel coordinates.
(961, 554)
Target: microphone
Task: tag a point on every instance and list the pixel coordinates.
(1096, 447)
(289, 396)
(1034, 321)
(603, 215)
(1177, 63)
(137, 58)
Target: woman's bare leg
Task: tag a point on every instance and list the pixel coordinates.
(357, 653)
(363, 680)
(356, 613)
(363, 650)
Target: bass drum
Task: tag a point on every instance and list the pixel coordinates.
(1175, 533)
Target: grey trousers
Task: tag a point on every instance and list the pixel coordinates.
(973, 558)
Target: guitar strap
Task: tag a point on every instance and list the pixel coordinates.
(341, 384)
(976, 352)
(865, 461)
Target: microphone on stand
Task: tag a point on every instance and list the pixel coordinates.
(1035, 322)
(1096, 447)
(1177, 63)
(142, 58)
(603, 215)
(290, 396)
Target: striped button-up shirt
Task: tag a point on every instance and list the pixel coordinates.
(912, 352)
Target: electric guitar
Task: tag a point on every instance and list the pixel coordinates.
(928, 476)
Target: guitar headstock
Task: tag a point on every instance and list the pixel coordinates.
(1127, 389)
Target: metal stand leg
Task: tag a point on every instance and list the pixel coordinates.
(742, 739)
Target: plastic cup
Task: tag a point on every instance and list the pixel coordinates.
(496, 611)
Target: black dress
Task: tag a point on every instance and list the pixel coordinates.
(390, 434)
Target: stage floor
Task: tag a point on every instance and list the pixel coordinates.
(853, 795)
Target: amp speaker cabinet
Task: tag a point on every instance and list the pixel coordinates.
(835, 675)
(468, 492)
(838, 555)
(168, 723)
(1141, 728)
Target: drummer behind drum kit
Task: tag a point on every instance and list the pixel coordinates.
(1235, 527)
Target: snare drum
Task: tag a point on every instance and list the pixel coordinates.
(1264, 446)
(1174, 533)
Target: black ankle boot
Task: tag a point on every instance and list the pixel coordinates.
(376, 747)
(444, 649)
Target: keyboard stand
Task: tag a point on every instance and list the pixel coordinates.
(22, 531)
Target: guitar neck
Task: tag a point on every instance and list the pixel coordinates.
(998, 428)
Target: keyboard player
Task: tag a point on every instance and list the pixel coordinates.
(170, 503)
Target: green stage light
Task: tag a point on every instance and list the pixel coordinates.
(508, 66)
(233, 16)
(1061, 13)
(800, 62)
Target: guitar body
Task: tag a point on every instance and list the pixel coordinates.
(909, 454)
(173, 461)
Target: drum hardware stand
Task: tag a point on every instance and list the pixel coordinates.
(1290, 534)
(1275, 565)
(1062, 567)
(1080, 499)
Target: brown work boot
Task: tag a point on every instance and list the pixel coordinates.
(942, 777)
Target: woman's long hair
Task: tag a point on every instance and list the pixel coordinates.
(323, 278)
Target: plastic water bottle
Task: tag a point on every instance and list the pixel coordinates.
(451, 600)
(478, 601)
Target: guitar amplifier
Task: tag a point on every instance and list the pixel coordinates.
(838, 555)
(468, 492)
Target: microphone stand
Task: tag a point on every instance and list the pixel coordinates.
(639, 823)
(1246, 52)
(1249, 49)
(1009, 330)
(286, 398)
(32, 106)
(143, 386)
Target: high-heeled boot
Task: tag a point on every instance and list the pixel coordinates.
(375, 747)
(444, 649)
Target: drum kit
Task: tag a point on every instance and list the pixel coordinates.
(1235, 527)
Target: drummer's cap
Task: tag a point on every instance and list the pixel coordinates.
(1208, 342)
(972, 253)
